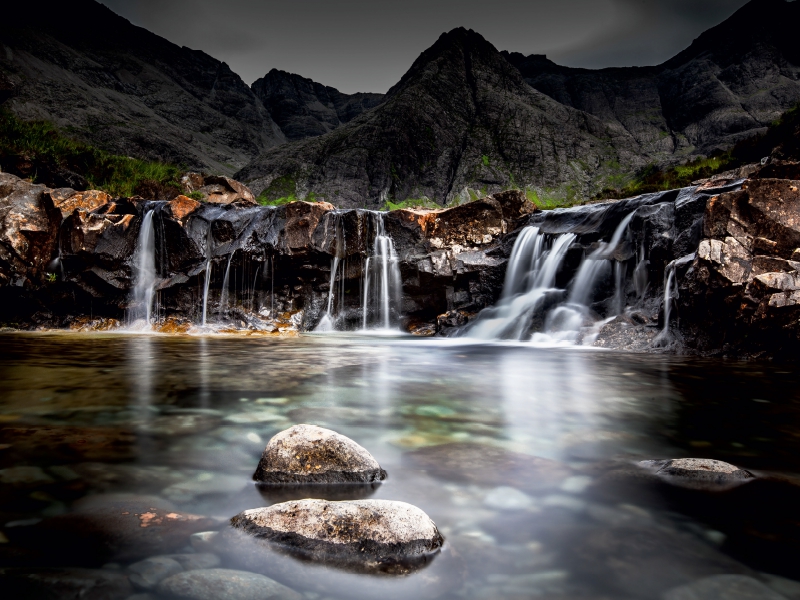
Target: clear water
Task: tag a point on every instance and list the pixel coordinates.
(186, 418)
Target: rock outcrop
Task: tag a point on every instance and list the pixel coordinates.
(309, 454)
(740, 293)
(29, 222)
(372, 536)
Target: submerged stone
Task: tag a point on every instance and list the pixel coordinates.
(488, 465)
(212, 584)
(310, 454)
(698, 472)
(724, 587)
(363, 535)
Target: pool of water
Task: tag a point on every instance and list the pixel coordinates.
(524, 457)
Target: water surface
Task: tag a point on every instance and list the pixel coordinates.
(456, 425)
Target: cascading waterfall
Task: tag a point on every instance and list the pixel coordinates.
(328, 321)
(146, 277)
(207, 282)
(670, 294)
(640, 273)
(530, 278)
(225, 294)
(382, 284)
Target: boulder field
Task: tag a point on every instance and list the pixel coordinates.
(729, 248)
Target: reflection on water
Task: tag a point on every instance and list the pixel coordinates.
(522, 456)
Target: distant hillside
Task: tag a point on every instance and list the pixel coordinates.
(461, 117)
(304, 108)
(730, 84)
(128, 91)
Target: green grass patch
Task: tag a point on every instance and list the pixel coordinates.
(781, 140)
(37, 151)
(410, 203)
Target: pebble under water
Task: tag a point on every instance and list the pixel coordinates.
(524, 457)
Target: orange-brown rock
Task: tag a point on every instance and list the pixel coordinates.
(68, 200)
(28, 230)
(224, 190)
(180, 207)
(302, 219)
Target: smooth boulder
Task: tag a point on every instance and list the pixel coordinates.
(311, 454)
(362, 535)
(698, 472)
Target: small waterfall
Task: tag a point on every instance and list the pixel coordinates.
(145, 280)
(530, 280)
(619, 288)
(640, 281)
(382, 284)
(664, 338)
(224, 294)
(207, 283)
(530, 277)
(328, 321)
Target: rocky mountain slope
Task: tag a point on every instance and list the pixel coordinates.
(728, 85)
(304, 108)
(462, 120)
(128, 91)
(461, 117)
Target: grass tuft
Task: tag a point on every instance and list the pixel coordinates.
(37, 151)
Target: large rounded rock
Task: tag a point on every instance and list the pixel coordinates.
(362, 535)
(310, 454)
(212, 584)
(698, 472)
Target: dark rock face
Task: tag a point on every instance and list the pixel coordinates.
(303, 108)
(732, 82)
(379, 536)
(129, 91)
(740, 291)
(461, 117)
(310, 454)
(29, 223)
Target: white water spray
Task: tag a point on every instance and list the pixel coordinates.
(530, 277)
(382, 284)
(146, 279)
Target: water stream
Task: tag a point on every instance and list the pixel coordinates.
(145, 277)
(381, 294)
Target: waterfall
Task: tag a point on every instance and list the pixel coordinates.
(328, 321)
(530, 282)
(145, 261)
(640, 274)
(207, 283)
(382, 284)
(224, 294)
(670, 293)
(530, 277)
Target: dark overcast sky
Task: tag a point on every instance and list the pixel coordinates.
(367, 45)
